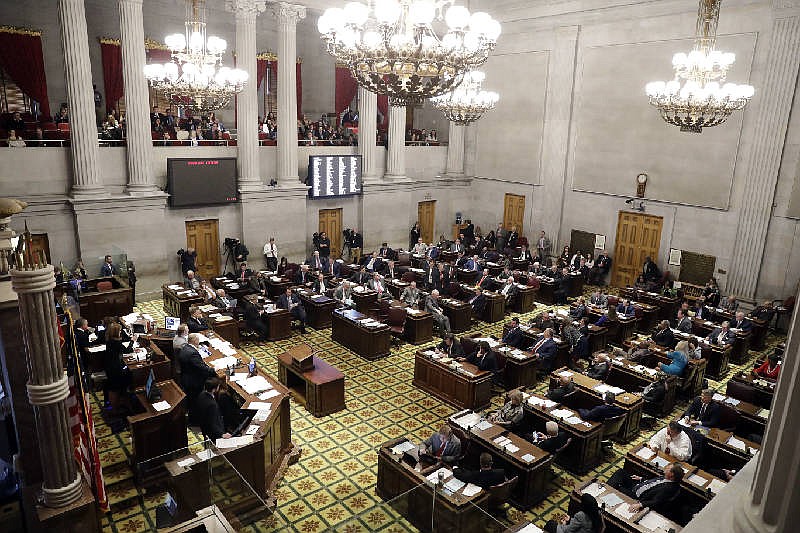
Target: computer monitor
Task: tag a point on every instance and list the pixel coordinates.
(172, 323)
(148, 386)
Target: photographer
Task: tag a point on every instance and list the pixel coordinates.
(356, 244)
(188, 259)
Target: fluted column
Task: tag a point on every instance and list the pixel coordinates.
(455, 151)
(287, 15)
(773, 99)
(78, 77)
(470, 150)
(137, 99)
(246, 12)
(396, 158)
(47, 384)
(367, 132)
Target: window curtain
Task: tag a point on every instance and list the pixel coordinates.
(261, 71)
(299, 89)
(21, 57)
(113, 84)
(346, 89)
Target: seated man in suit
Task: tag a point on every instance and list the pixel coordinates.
(244, 273)
(252, 317)
(319, 284)
(722, 335)
(484, 281)
(598, 299)
(729, 304)
(343, 294)
(663, 335)
(443, 445)
(703, 411)
(207, 412)
(565, 386)
(478, 302)
(291, 301)
(514, 337)
(525, 254)
(655, 392)
(191, 281)
(542, 321)
(626, 309)
(651, 493)
(373, 263)
(579, 311)
(552, 440)
(511, 413)
(485, 477)
(545, 347)
(740, 322)
(377, 285)
(483, 357)
(450, 347)
(410, 295)
(673, 441)
(604, 411)
(360, 277)
(683, 322)
(196, 322)
(194, 371)
(391, 271)
(303, 276)
(457, 247)
(223, 301)
(318, 262)
(385, 253)
(474, 264)
(509, 291)
(599, 367)
(432, 306)
(258, 284)
(765, 312)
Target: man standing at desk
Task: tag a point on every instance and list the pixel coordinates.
(207, 412)
(291, 302)
(432, 306)
(443, 445)
(194, 371)
(109, 268)
(478, 302)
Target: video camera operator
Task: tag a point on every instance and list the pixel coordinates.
(188, 259)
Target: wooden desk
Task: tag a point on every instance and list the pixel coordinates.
(547, 288)
(452, 512)
(234, 288)
(368, 342)
(586, 396)
(597, 334)
(519, 366)
(632, 376)
(276, 286)
(277, 320)
(694, 373)
(365, 300)
(160, 364)
(318, 308)
(721, 454)
(418, 328)
(459, 313)
(741, 339)
(533, 475)
(467, 276)
(614, 522)
(320, 390)
(760, 389)
(752, 418)
(178, 301)
(531, 334)
(495, 308)
(584, 452)
(667, 305)
(525, 300)
(454, 387)
(157, 433)
(95, 305)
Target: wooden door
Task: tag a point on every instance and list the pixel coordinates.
(426, 216)
(203, 236)
(638, 236)
(330, 221)
(40, 242)
(514, 212)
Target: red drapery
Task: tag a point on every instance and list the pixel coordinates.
(155, 55)
(21, 57)
(346, 89)
(261, 71)
(383, 107)
(112, 74)
(299, 90)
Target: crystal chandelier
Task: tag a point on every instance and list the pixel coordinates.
(698, 96)
(391, 46)
(195, 77)
(468, 102)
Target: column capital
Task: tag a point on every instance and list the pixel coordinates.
(131, 2)
(246, 7)
(287, 13)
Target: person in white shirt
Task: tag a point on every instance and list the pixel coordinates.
(271, 255)
(420, 248)
(673, 441)
(14, 141)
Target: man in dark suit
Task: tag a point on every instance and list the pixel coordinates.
(194, 371)
(740, 322)
(652, 493)
(478, 302)
(603, 411)
(625, 309)
(483, 358)
(252, 317)
(509, 291)
(513, 237)
(196, 322)
(722, 335)
(223, 301)
(703, 411)
(450, 346)
(525, 255)
(390, 272)
(373, 263)
(542, 321)
(683, 322)
(319, 284)
(432, 276)
(356, 244)
(109, 268)
(318, 262)
(579, 311)
(443, 445)
(600, 269)
(545, 347)
(291, 301)
(82, 333)
(324, 245)
(245, 273)
(664, 336)
(360, 277)
(457, 247)
(514, 337)
(485, 281)
(485, 477)
(385, 252)
(650, 270)
(303, 276)
(207, 412)
(552, 440)
(469, 233)
(599, 367)
(565, 386)
(258, 283)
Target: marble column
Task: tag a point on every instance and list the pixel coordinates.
(137, 99)
(470, 150)
(287, 15)
(80, 96)
(773, 104)
(396, 158)
(455, 151)
(47, 383)
(367, 133)
(246, 12)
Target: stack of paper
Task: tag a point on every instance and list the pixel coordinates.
(594, 489)
(223, 363)
(174, 287)
(716, 485)
(239, 376)
(565, 374)
(616, 390)
(561, 413)
(255, 384)
(654, 522)
(268, 394)
(502, 441)
(186, 462)
(660, 462)
(611, 500)
(434, 477)
(602, 388)
(733, 442)
(530, 528)
(468, 420)
(574, 420)
(454, 484)
(528, 458)
(718, 397)
(205, 454)
(483, 426)
(732, 401)
(471, 490)
(261, 415)
(623, 510)
(234, 442)
(697, 480)
(645, 453)
(402, 447)
(543, 402)
(161, 406)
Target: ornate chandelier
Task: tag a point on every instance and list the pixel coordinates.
(468, 102)
(392, 48)
(195, 77)
(698, 96)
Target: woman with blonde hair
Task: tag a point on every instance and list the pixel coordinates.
(679, 357)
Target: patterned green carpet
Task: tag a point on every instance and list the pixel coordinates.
(332, 487)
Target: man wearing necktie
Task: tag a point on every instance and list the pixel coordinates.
(377, 285)
(443, 445)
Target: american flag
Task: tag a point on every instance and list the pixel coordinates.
(81, 423)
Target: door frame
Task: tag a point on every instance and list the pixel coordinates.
(218, 256)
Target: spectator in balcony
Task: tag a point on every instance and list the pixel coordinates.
(193, 138)
(63, 115)
(165, 139)
(112, 128)
(158, 127)
(169, 120)
(14, 141)
(155, 116)
(16, 123)
(38, 138)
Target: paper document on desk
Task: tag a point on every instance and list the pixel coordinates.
(261, 415)
(718, 397)
(207, 308)
(611, 500)
(174, 287)
(645, 453)
(660, 462)
(234, 442)
(223, 363)
(602, 388)
(468, 420)
(252, 429)
(616, 390)
(561, 413)
(434, 477)
(259, 406)
(471, 490)
(574, 420)
(654, 522)
(594, 489)
(186, 462)
(402, 447)
(266, 395)
(565, 374)
(454, 484)
(716, 485)
(256, 384)
(202, 338)
(697, 480)
(163, 405)
(239, 376)
(130, 318)
(483, 426)
(623, 510)
(205, 454)
(544, 402)
(511, 448)
(733, 442)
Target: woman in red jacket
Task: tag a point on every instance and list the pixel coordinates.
(770, 369)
